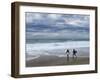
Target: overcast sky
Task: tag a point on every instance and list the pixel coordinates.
(56, 26)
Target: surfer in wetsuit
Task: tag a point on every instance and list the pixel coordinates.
(74, 54)
(67, 52)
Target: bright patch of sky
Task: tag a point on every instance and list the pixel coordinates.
(57, 26)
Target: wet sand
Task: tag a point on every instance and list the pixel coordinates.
(49, 60)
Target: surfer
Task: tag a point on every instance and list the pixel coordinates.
(74, 53)
(67, 52)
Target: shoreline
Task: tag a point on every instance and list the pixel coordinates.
(56, 57)
(47, 60)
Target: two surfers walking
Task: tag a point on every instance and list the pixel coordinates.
(74, 54)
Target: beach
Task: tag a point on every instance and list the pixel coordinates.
(58, 57)
(56, 61)
(49, 35)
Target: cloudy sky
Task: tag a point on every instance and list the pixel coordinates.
(56, 26)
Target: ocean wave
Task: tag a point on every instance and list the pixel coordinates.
(32, 57)
(57, 45)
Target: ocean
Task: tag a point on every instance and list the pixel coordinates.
(56, 48)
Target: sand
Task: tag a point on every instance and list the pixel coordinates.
(49, 60)
(57, 57)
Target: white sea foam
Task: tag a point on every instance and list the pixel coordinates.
(57, 45)
(57, 49)
(32, 57)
